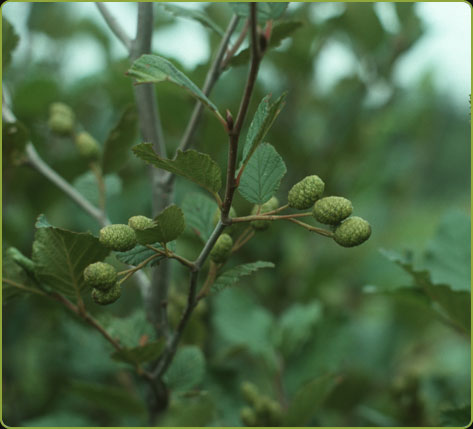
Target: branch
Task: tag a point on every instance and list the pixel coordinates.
(234, 132)
(268, 217)
(114, 26)
(311, 228)
(212, 76)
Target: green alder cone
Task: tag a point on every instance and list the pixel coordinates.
(306, 192)
(61, 124)
(60, 109)
(268, 412)
(139, 223)
(352, 232)
(107, 297)
(100, 275)
(222, 249)
(250, 392)
(87, 146)
(332, 210)
(248, 417)
(118, 237)
(262, 225)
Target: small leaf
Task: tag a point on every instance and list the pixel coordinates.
(199, 211)
(61, 257)
(15, 136)
(42, 222)
(139, 253)
(87, 185)
(168, 225)
(262, 176)
(265, 11)
(155, 69)
(261, 123)
(196, 15)
(187, 369)
(195, 166)
(307, 400)
(141, 354)
(9, 42)
(295, 326)
(120, 140)
(232, 276)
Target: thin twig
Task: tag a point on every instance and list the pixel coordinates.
(311, 228)
(231, 52)
(243, 242)
(268, 217)
(212, 76)
(95, 167)
(211, 276)
(172, 255)
(114, 26)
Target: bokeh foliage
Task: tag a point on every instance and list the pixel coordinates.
(368, 342)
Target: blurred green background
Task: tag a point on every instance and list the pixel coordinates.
(400, 153)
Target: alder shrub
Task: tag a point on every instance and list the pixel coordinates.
(81, 271)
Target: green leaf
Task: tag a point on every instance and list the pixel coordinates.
(233, 275)
(197, 411)
(120, 140)
(140, 354)
(307, 400)
(155, 69)
(61, 257)
(261, 123)
(168, 225)
(262, 176)
(295, 326)
(454, 304)
(457, 417)
(15, 136)
(195, 166)
(129, 330)
(87, 185)
(265, 11)
(139, 253)
(15, 279)
(448, 254)
(199, 211)
(281, 31)
(42, 222)
(196, 15)
(187, 369)
(112, 399)
(9, 42)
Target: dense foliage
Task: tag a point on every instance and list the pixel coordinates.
(296, 330)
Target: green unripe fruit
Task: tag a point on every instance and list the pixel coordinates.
(250, 392)
(352, 232)
(118, 237)
(60, 109)
(87, 146)
(107, 297)
(139, 223)
(306, 192)
(248, 417)
(100, 275)
(268, 206)
(61, 124)
(221, 249)
(332, 210)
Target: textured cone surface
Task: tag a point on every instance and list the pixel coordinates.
(306, 192)
(61, 124)
(332, 210)
(61, 109)
(118, 237)
(107, 297)
(100, 275)
(140, 223)
(262, 225)
(221, 249)
(87, 145)
(352, 232)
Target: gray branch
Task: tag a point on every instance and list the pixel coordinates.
(114, 26)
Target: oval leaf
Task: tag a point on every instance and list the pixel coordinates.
(261, 178)
(195, 166)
